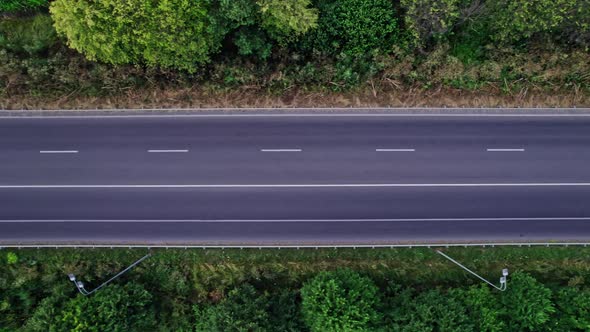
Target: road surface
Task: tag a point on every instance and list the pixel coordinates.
(294, 179)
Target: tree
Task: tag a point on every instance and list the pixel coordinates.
(21, 5)
(355, 27)
(285, 312)
(286, 19)
(432, 310)
(527, 303)
(176, 34)
(114, 308)
(242, 310)
(512, 21)
(482, 307)
(29, 36)
(573, 309)
(426, 20)
(341, 300)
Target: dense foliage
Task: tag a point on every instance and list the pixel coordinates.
(409, 290)
(170, 34)
(340, 301)
(282, 47)
(116, 308)
(355, 27)
(21, 5)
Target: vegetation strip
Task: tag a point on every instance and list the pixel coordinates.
(266, 290)
(297, 53)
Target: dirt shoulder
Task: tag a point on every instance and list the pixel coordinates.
(200, 97)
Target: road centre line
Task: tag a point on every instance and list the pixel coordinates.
(167, 151)
(330, 185)
(58, 151)
(505, 150)
(395, 150)
(289, 220)
(281, 150)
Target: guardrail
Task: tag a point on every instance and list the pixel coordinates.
(334, 246)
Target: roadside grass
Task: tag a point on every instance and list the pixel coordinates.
(216, 268)
(39, 71)
(178, 279)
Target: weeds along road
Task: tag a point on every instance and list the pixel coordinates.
(294, 179)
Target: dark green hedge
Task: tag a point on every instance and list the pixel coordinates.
(11, 6)
(296, 290)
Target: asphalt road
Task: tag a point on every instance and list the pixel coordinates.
(294, 180)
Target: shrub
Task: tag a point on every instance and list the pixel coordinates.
(341, 300)
(483, 307)
(176, 34)
(431, 310)
(286, 19)
(573, 309)
(576, 29)
(113, 308)
(355, 27)
(516, 20)
(285, 312)
(242, 310)
(252, 42)
(11, 258)
(427, 20)
(28, 36)
(527, 303)
(21, 5)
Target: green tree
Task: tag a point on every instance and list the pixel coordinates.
(242, 310)
(576, 28)
(341, 300)
(573, 309)
(512, 21)
(21, 5)
(29, 36)
(285, 312)
(176, 34)
(432, 310)
(355, 27)
(286, 19)
(427, 20)
(113, 308)
(527, 303)
(483, 307)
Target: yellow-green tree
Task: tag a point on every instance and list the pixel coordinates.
(176, 34)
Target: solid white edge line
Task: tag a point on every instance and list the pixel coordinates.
(281, 150)
(287, 115)
(350, 185)
(505, 150)
(395, 150)
(301, 246)
(58, 151)
(287, 220)
(167, 151)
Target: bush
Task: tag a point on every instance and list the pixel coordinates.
(513, 21)
(425, 19)
(285, 312)
(355, 27)
(341, 300)
(527, 303)
(483, 307)
(573, 309)
(28, 36)
(114, 308)
(431, 310)
(242, 310)
(176, 34)
(21, 5)
(286, 19)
